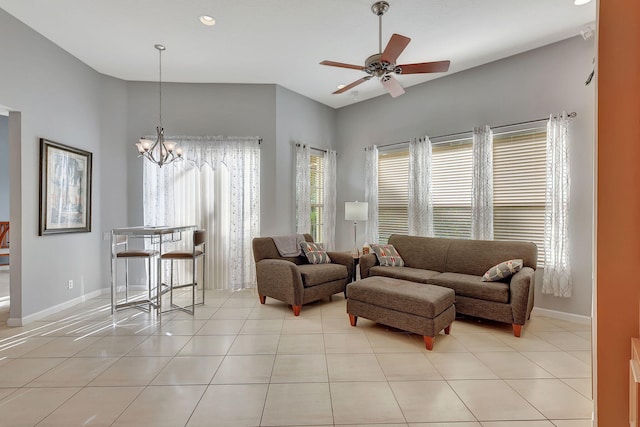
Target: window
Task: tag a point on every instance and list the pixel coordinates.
(316, 190)
(518, 188)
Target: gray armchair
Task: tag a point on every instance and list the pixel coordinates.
(293, 280)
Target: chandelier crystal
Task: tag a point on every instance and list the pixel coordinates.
(160, 152)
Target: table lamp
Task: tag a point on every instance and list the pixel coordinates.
(356, 211)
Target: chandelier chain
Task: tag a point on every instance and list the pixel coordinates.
(160, 83)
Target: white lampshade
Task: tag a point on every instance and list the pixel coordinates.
(356, 211)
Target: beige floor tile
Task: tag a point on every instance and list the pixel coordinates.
(347, 343)
(511, 364)
(472, 424)
(245, 370)
(230, 405)
(300, 368)
(131, 371)
(494, 400)
(232, 313)
(517, 424)
(4, 392)
(302, 325)
(482, 341)
(540, 323)
(161, 406)
(108, 328)
(73, 372)
(240, 303)
(429, 401)
(407, 367)
(571, 326)
(572, 423)
(255, 344)
(584, 355)
(354, 367)
(584, 386)
(221, 327)
(160, 345)
(180, 327)
(527, 342)
(265, 311)
(207, 345)
(262, 326)
(364, 402)
(445, 344)
(188, 370)
(300, 404)
(95, 406)
(586, 335)
(62, 347)
(111, 346)
(566, 341)
(201, 313)
(301, 344)
(385, 340)
(28, 406)
(18, 372)
(339, 325)
(560, 364)
(20, 346)
(554, 398)
(454, 366)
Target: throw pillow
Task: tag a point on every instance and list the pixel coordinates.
(315, 253)
(502, 270)
(387, 255)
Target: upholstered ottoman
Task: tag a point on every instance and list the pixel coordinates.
(415, 307)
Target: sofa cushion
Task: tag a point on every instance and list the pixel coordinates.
(472, 286)
(315, 253)
(477, 256)
(404, 273)
(387, 255)
(317, 274)
(502, 271)
(428, 253)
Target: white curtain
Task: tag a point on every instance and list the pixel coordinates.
(303, 190)
(420, 191)
(557, 275)
(371, 193)
(329, 211)
(482, 184)
(217, 188)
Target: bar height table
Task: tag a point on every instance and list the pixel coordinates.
(159, 234)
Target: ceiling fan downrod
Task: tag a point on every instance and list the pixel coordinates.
(380, 8)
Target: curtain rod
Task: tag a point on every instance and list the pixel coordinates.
(312, 148)
(570, 115)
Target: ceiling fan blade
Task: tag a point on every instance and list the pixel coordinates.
(394, 48)
(352, 85)
(342, 65)
(425, 67)
(391, 84)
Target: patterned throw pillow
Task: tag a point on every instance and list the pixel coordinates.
(315, 253)
(387, 255)
(502, 270)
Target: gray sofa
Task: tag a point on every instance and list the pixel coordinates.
(459, 264)
(295, 281)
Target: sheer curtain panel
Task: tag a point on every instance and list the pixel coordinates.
(329, 211)
(482, 184)
(556, 278)
(217, 188)
(303, 190)
(420, 204)
(371, 193)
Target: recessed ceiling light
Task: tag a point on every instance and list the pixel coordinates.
(209, 20)
(341, 87)
(580, 2)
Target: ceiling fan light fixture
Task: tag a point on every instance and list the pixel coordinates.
(208, 20)
(580, 2)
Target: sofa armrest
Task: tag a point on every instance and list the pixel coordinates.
(343, 258)
(521, 289)
(366, 262)
(280, 279)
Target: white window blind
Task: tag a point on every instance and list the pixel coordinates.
(316, 190)
(393, 193)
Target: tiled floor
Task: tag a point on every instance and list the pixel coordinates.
(241, 363)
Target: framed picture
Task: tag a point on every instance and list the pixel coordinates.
(65, 189)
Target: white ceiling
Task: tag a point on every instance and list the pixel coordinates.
(282, 41)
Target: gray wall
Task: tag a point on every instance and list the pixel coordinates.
(523, 87)
(4, 168)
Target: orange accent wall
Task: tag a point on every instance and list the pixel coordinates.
(618, 205)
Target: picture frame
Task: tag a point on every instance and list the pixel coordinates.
(65, 189)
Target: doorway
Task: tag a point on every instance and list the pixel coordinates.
(5, 259)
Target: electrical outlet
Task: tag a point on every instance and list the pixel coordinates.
(70, 284)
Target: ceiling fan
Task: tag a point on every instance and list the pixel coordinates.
(383, 64)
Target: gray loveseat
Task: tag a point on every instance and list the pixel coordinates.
(459, 264)
(295, 281)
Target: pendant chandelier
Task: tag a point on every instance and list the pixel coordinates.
(160, 152)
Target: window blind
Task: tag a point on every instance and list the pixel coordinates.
(393, 193)
(316, 190)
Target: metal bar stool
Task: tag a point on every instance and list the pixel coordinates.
(197, 251)
(146, 255)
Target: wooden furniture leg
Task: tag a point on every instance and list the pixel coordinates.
(353, 319)
(296, 310)
(428, 342)
(263, 298)
(517, 330)
(447, 330)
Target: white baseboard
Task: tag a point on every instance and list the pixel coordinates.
(560, 315)
(21, 321)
